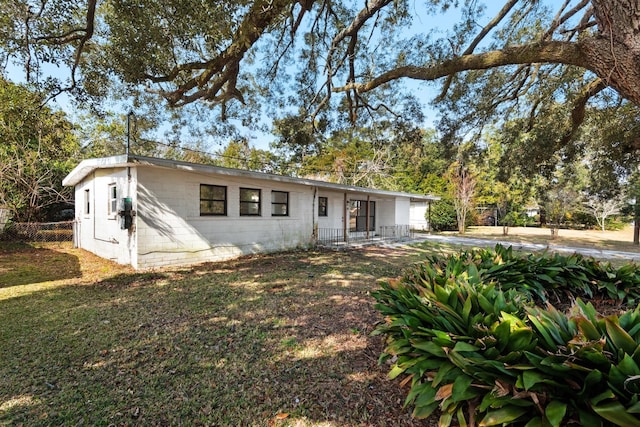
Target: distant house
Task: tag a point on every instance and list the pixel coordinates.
(150, 212)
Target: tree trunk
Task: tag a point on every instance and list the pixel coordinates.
(614, 53)
(636, 223)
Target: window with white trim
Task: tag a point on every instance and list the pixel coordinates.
(113, 199)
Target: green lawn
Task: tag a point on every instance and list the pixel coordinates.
(278, 339)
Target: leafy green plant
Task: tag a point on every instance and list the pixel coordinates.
(443, 215)
(465, 332)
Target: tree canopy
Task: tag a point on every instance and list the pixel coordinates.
(38, 149)
(547, 67)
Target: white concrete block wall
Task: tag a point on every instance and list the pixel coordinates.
(417, 216)
(100, 230)
(402, 205)
(172, 232)
(386, 213)
(335, 210)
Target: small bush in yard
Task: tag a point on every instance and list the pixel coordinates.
(475, 336)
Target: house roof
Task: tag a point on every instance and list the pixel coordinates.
(86, 167)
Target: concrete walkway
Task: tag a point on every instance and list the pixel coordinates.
(533, 247)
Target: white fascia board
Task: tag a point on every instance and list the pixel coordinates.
(88, 166)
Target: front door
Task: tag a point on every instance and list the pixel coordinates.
(358, 215)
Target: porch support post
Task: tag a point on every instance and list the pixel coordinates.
(429, 210)
(367, 213)
(344, 220)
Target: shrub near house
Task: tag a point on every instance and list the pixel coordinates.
(469, 335)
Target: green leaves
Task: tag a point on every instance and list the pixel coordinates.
(477, 346)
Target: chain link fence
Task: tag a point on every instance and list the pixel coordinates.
(38, 232)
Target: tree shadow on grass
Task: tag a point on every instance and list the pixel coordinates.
(24, 264)
(272, 340)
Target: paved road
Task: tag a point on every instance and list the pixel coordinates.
(535, 247)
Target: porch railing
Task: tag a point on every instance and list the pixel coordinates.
(335, 236)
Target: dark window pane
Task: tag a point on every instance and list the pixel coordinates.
(213, 200)
(249, 195)
(279, 209)
(249, 208)
(279, 197)
(322, 206)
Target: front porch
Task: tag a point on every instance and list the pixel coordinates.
(335, 237)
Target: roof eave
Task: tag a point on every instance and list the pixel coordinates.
(88, 166)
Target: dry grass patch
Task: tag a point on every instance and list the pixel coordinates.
(267, 340)
(270, 340)
(619, 240)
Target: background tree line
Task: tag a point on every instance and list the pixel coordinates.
(529, 93)
(479, 181)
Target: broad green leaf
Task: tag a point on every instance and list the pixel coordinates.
(543, 331)
(628, 366)
(419, 389)
(503, 415)
(521, 339)
(531, 378)
(588, 329)
(617, 414)
(555, 412)
(462, 420)
(395, 371)
(445, 419)
(619, 336)
(607, 394)
(421, 412)
(589, 419)
(462, 346)
(502, 332)
(535, 422)
(442, 338)
(425, 395)
(634, 409)
(462, 389)
(430, 347)
(443, 373)
(466, 308)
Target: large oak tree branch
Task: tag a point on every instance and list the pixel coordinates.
(543, 52)
(224, 68)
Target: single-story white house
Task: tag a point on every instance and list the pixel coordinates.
(150, 212)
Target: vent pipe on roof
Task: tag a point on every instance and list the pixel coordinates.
(129, 116)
